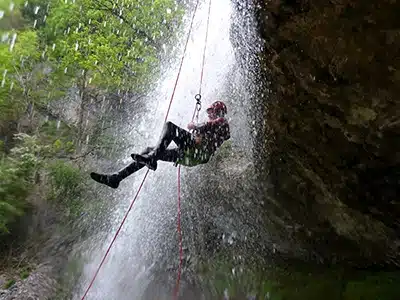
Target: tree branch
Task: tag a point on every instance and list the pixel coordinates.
(115, 12)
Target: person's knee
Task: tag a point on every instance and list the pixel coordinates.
(170, 125)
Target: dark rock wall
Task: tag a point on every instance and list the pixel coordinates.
(332, 123)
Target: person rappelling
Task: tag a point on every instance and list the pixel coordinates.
(192, 148)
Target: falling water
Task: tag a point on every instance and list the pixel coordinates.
(148, 239)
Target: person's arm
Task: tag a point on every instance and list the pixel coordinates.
(202, 127)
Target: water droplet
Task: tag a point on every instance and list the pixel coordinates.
(65, 70)
(5, 37)
(54, 47)
(58, 124)
(36, 10)
(1, 14)
(226, 295)
(76, 46)
(34, 24)
(168, 11)
(12, 5)
(13, 39)
(3, 81)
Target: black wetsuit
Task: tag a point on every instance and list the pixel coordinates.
(212, 134)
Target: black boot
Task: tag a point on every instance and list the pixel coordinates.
(171, 132)
(150, 160)
(110, 180)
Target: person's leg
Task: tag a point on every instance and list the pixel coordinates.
(113, 180)
(171, 132)
(171, 155)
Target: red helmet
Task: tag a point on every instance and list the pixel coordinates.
(218, 108)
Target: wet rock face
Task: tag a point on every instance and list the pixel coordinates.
(332, 120)
(39, 285)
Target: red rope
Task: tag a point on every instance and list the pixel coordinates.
(179, 234)
(179, 168)
(183, 56)
(144, 179)
(204, 55)
(115, 236)
(205, 46)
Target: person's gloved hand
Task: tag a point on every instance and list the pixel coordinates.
(191, 126)
(198, 139)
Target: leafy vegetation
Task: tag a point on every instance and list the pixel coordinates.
(9, 283)
(65, 67)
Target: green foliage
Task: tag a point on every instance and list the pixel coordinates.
(20, 169)
(24, 272)
(298, 282)
(48, 48)
(59, 137)
(35, 11)
(9, 284)
(16, 178)
(66, 178)
(102, 43)
(23, 79)
(10, 5)
(11, 16)
(67, 184)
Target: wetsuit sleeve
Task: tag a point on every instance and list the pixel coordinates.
(209, 125)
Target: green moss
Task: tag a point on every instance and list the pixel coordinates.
(298, 281)
(25, 272)
(361, 115)
(383, 286)
(9, 284)
(67, 184)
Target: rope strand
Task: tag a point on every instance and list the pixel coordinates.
(204, 58)
(179, 235)
(179, 168)
(205, 46)
(145, 176)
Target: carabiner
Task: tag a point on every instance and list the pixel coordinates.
(198, 102)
